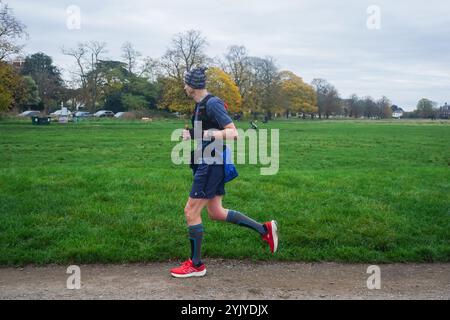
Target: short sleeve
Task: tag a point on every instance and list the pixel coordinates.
(216, 110)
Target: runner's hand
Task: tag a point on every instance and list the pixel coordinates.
(186, 135)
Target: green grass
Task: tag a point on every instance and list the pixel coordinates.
(351, 191)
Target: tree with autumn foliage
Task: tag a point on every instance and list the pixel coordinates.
(173, 96)
(11, 87)
(296, 95)
(221, 85)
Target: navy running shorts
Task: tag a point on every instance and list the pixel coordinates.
(208, 182)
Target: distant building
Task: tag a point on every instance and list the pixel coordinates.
(444, 111)
(17, 63)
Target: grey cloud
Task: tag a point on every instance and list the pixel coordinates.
(405, 60)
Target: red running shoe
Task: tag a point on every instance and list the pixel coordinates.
(187, 269)
(271, 237)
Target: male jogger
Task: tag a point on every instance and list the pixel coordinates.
(208, 187)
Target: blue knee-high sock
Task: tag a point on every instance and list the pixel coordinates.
(195, 237)
(242, 220)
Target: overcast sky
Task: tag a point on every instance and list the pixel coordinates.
(407, 59)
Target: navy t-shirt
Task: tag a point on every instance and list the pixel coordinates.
(215, 109)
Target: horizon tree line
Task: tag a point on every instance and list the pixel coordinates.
(253, 86)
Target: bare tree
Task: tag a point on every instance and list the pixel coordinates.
(97, 49)
(87, 56)
(264, 82)
(238, 66)
(370, 108)
(333, 103)
(130, 56)
(80, 54)
(149, 68)
(321, 89)
(384, 108)
(185, 52)
(354, 106)
(328, 99)
(172, 65)
(11, 30)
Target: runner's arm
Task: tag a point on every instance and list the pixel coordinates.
(228, 133)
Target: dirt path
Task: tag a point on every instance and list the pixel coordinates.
(229, 279)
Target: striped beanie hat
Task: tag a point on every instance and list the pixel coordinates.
(196, 78)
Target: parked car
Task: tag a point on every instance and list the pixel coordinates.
(121, 114)
(104, 113)
(82, 114)
(59, 113)
(30, 113)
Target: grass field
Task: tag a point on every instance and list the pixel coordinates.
(107, 191)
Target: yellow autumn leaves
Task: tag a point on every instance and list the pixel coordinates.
(296, 95)
(293, 94)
